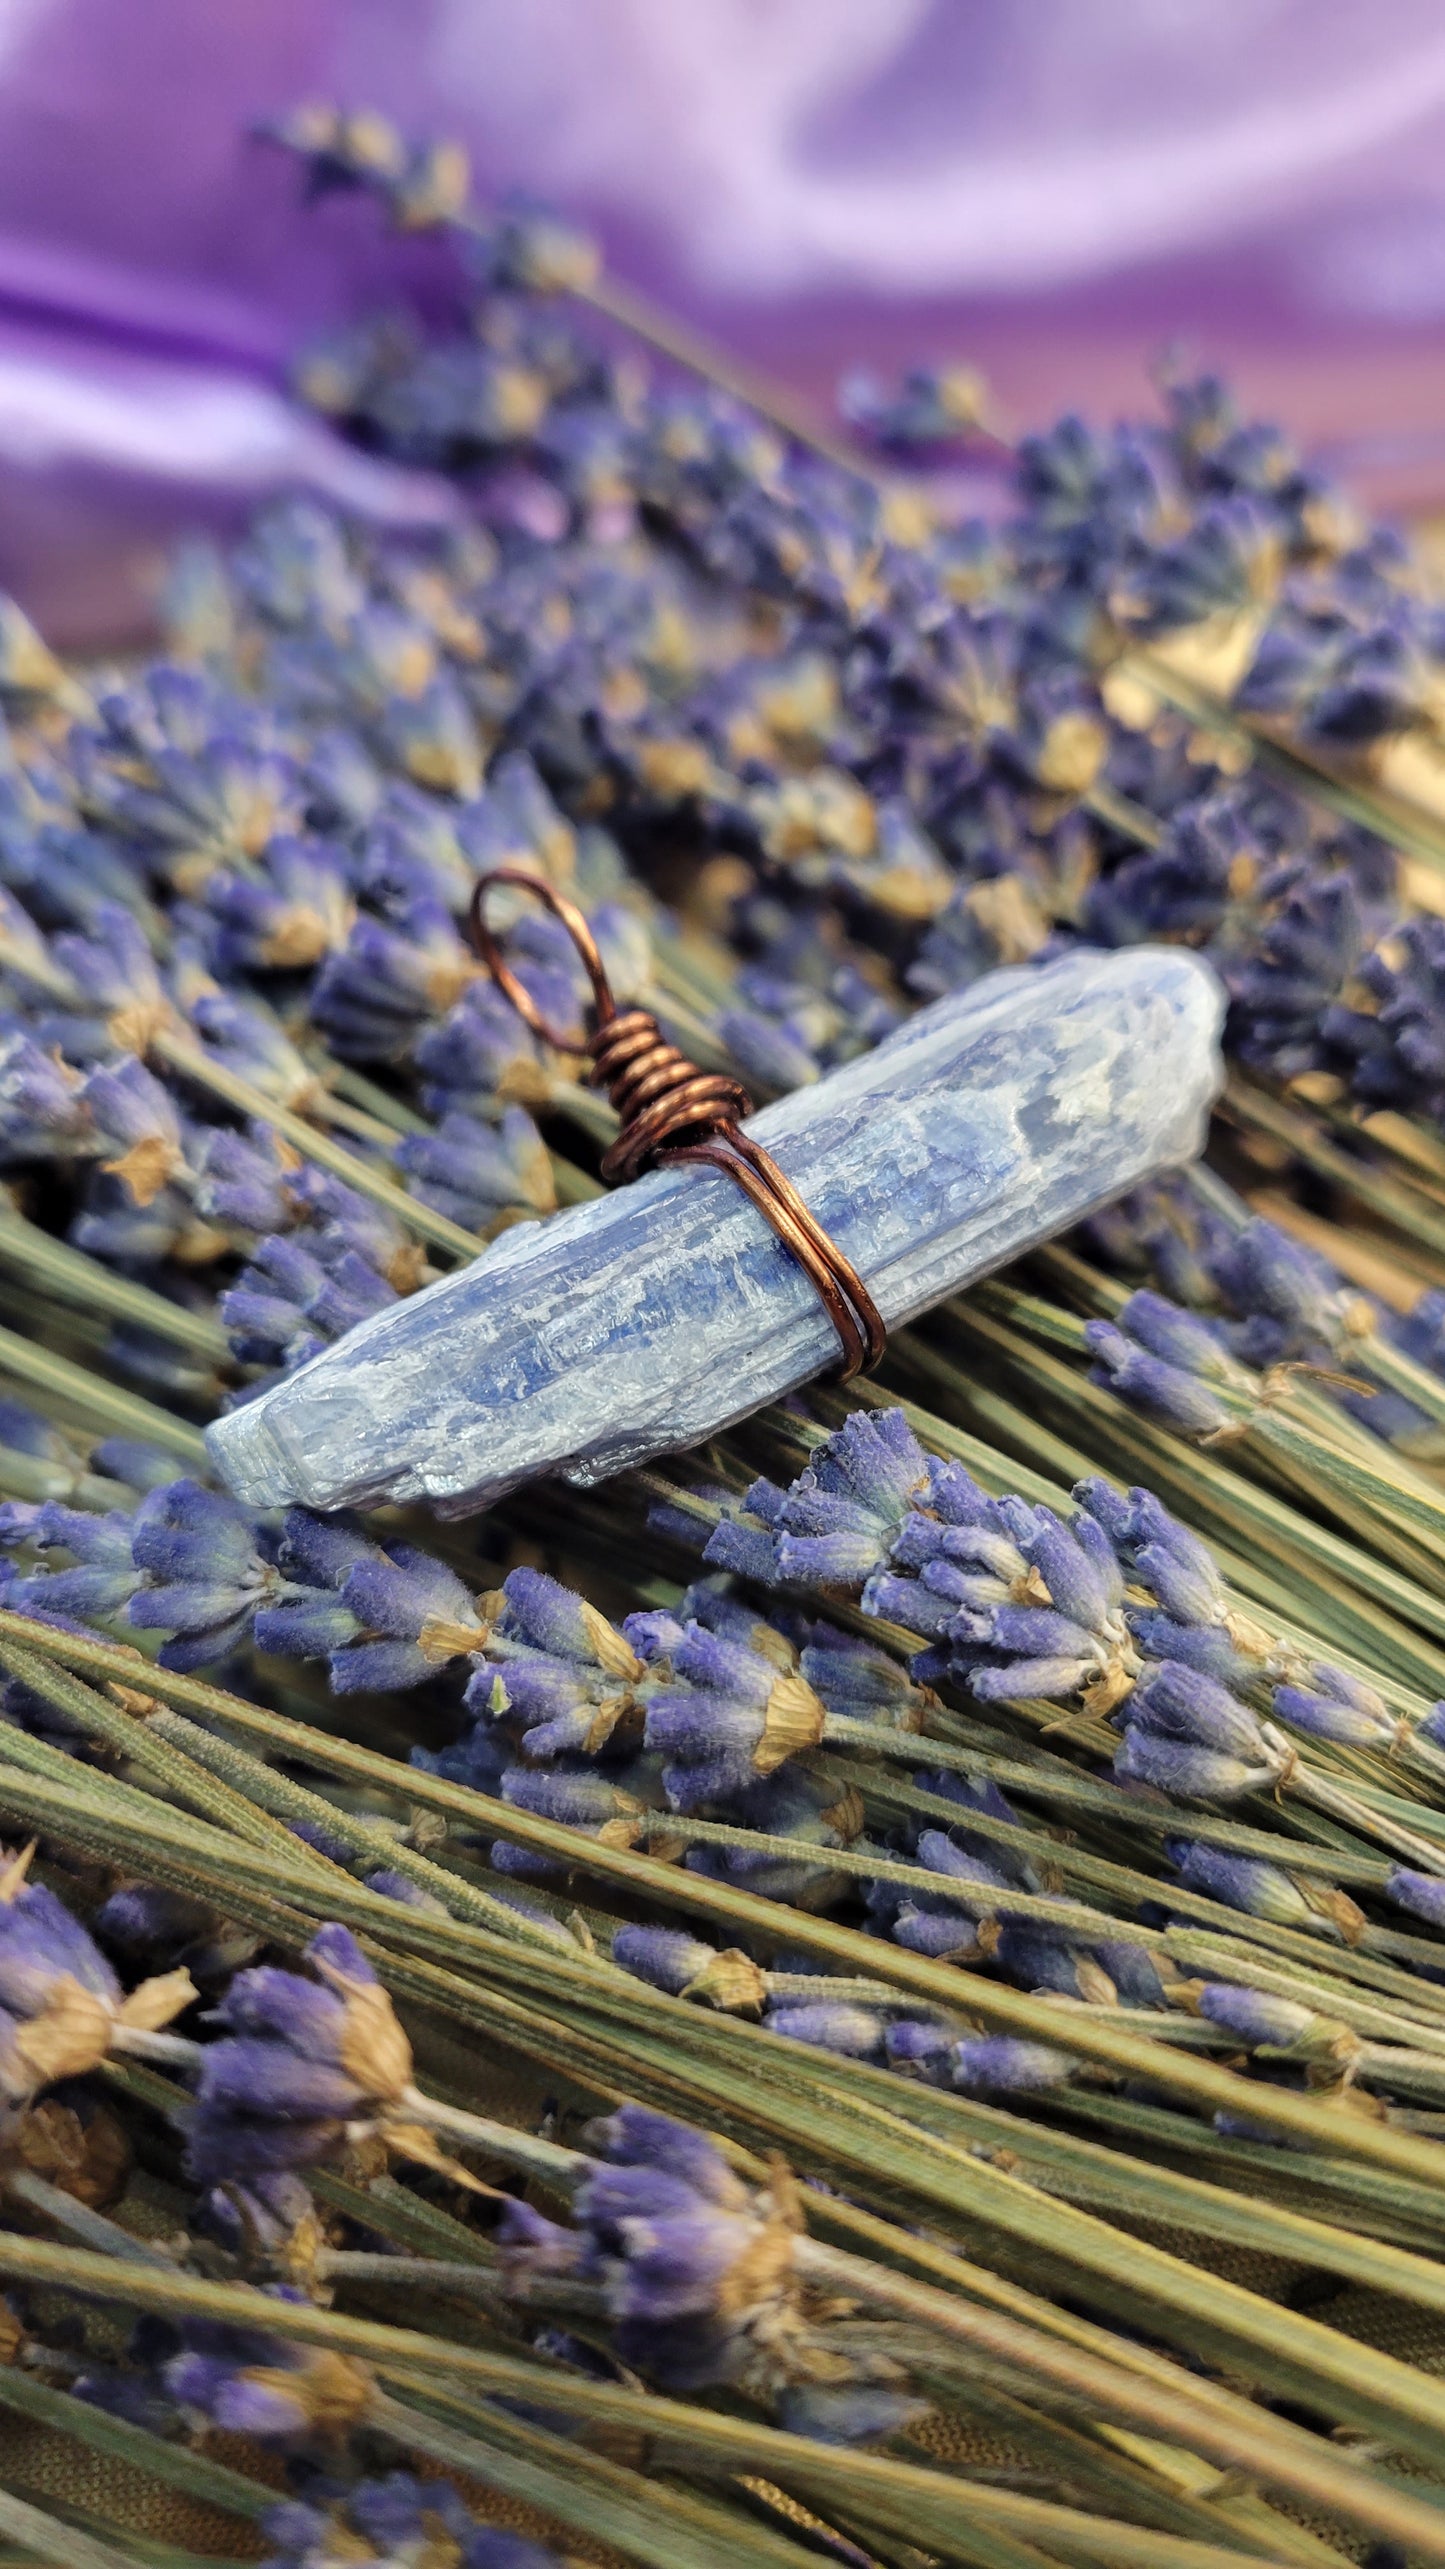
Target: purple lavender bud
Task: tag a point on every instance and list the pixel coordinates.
(296, 908)
(400, 1887)
(741, 1542)
(1175, 1336)
(1274, 2024)
(1109, 1509)
(126, 1458)
(105, 1578)
(389, 981)
(302, 2060)
(1337, 1707)
(414, 1616)
(963, 1863)
(691, 2261)
(1248, 1882)
(1175, 1702)
(141, 1919)
(44, 1113)
(205, 1575)
(1052, 1679)
(1179, 1400)
(1026, 1632)
(771, 1052)
(1431, 1725)
(1137, 1977)
(541, 1612)
(862, 1683)
(471, 1171)
(919, 2048)
(654, 1634)
(1191, 1774)
(954, 1495)
(115, 971)
(1261, 1269)
(41, 1946)
(576, 1800)
(840, 1515)
(1205, 1647)
(943, 1935)
(1182, 1573)
(664, 1956)
(1420, 1893)
(481, 1050)
(1000, 2063)
(831, 2025)
(1034, 1958)
(908, 1602)
(1077, 1567)
(827, 1539)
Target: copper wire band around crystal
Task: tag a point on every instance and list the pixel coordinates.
(671, 1113)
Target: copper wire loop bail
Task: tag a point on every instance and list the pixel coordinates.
(670, 1113)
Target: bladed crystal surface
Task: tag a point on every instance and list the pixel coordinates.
(649, 1318)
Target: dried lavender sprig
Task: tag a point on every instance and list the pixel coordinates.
(879, 2486)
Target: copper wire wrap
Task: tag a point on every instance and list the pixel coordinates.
(672, 1113)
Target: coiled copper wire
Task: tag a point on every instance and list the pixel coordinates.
(671, 1112)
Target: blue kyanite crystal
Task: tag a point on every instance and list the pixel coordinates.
(650, 1318)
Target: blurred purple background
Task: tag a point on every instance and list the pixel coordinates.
(1052, 193)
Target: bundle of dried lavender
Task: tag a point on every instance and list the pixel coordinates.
(879, 1991)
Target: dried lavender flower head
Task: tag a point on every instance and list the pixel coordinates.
(62, 2009)
(300, 2062)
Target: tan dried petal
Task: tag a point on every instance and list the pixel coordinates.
(608, 1647)
(1071, 754)
(335, 2393)
(731, 1982)
(303, 937)
(792, 1720)
(146, 1167)
(1338, 1907)
(440, 1640)
(413, 2141)
(70, 2036)
(604, 1722)
(764, 2271)
(1095, 1986)
(407, 1268)
(131, 1700)
(1107, 1689)
(674, 768)
(90, 2161)
(846, 1816)
(299, 2252)
(526, 1082)
(157, 2001)
(134, 1029)
(1011, 914)
(16, 1870)
(199, 1244)
(373, 2049)
(438, 2550)
(447, 980)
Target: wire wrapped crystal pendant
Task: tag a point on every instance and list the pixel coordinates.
(650, 1318)
(670, 1112)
